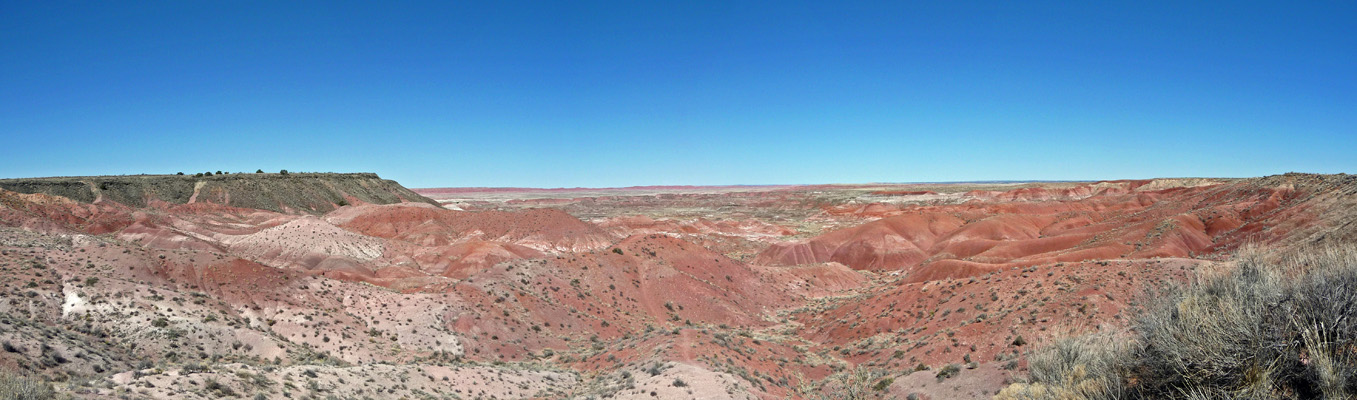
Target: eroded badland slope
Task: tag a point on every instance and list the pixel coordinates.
(317, 285)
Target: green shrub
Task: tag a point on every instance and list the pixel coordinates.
(951, 370)
(857, 383)
(217, 387)
(196, 368)
(883, 384)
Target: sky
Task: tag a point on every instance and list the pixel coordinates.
(607, 94)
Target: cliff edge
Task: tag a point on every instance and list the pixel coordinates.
(310, 193)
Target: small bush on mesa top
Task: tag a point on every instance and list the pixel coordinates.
(258, 171)
(283, 172)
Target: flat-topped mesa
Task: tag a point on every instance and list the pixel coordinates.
(309, 193)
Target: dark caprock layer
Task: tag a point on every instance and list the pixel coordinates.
(313, 193)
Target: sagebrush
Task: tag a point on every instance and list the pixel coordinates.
(1278, 327)
(18, 387)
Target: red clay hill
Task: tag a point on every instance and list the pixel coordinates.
(1110, 220)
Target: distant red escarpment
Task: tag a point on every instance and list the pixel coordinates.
(1023, 227)
(525, 190)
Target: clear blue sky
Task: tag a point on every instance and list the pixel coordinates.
(570, 93)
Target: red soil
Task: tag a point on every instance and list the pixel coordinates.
(463, 190)
(640, 225)
(425, 225)
(464, 259)
(1110, 222)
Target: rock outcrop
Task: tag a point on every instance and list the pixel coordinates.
(304, 193)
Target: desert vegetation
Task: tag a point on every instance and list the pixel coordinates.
(1270, 326)
(18, 387)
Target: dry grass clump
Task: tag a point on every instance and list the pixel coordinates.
(1082, 367)
(19, 387)
(1271, 328)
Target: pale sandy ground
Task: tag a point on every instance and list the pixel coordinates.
(306, 238)
(983, 382)
(377, 381)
